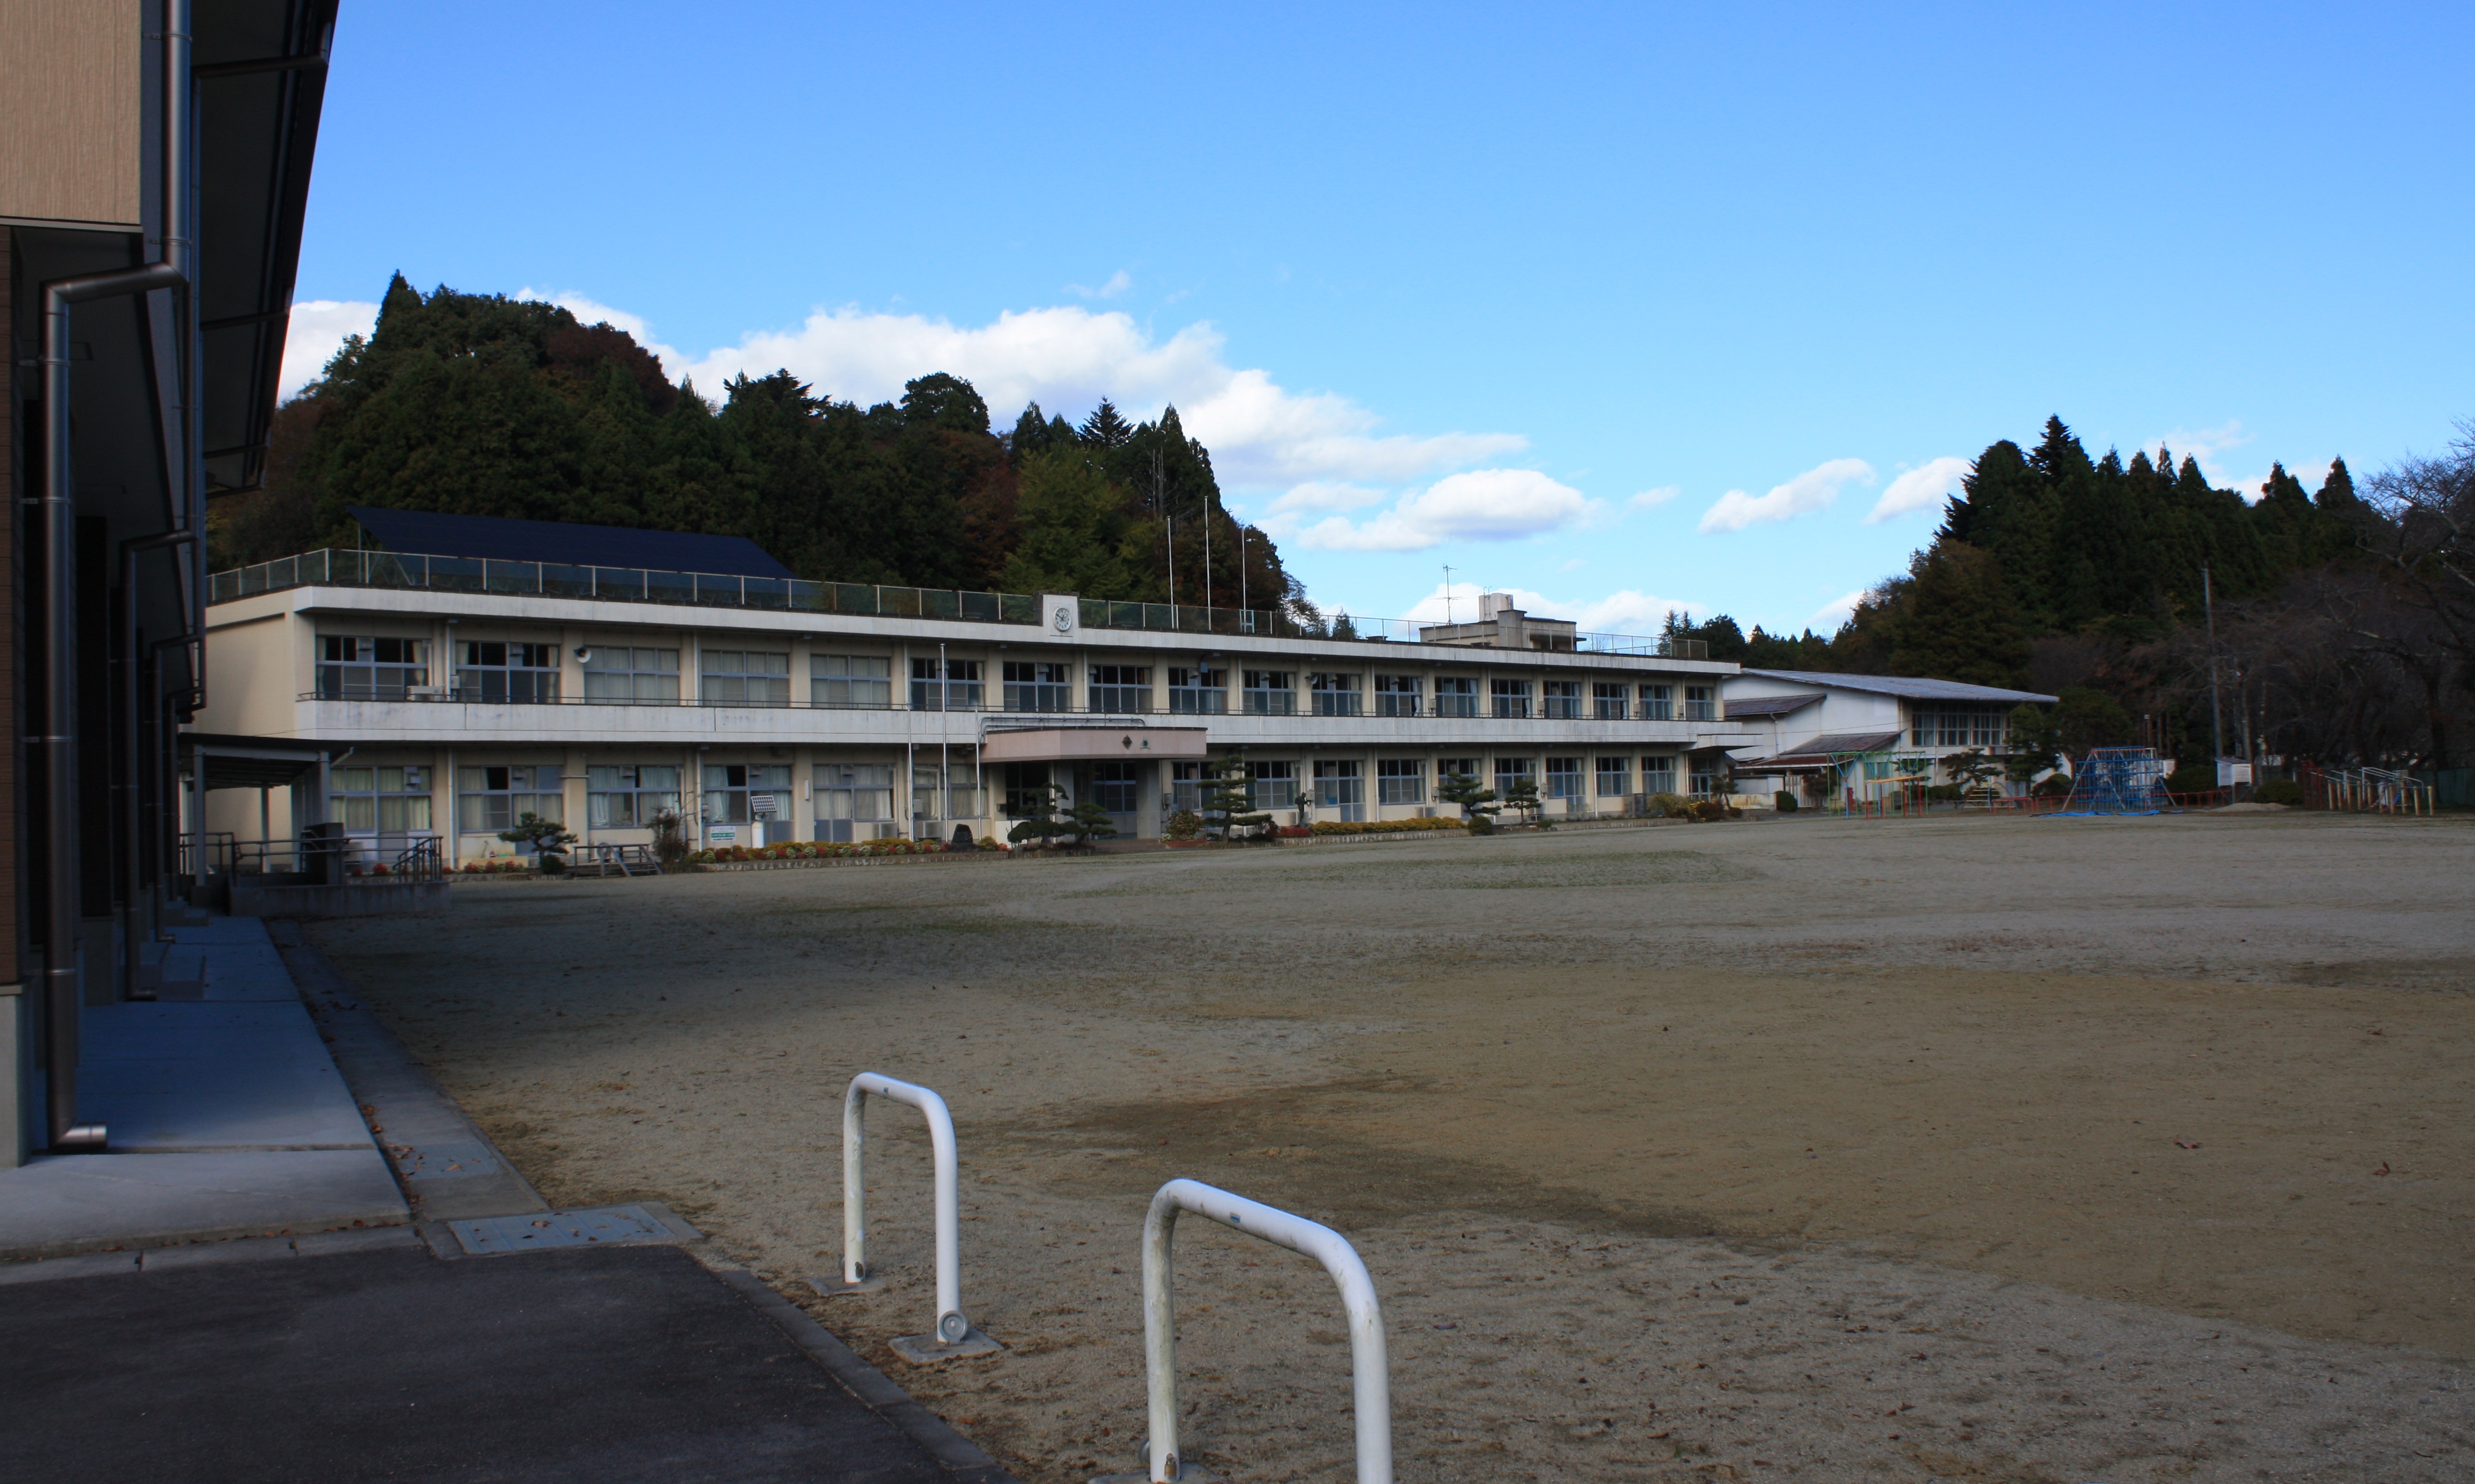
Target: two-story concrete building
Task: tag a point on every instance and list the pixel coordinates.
(592, 676)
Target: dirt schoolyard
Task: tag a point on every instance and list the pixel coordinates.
(2048, 1149)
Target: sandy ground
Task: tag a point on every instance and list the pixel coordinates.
(2019, 1150)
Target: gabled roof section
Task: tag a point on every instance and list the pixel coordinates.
(1750, 707)
(498, 540)
(1823, 750)
(1910, 687)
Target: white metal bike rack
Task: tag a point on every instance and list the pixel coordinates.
(953, 1336)
(1370, 1369)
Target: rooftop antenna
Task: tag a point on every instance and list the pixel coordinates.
(1448, 593)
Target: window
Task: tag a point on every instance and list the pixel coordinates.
(491, 799)
(1563, 778)
(959, 799)
(1699, 705)
(1455, 695)
(1563, 700)
(1610, 702)
(631, 795)
(1186, 784)
(855, 800)
(1512, 697)
(631, 676)
(379, 800)
(1706, 775)
(1037, 685)
(1125, 689)
(1026, 790)
(1198, 693)
(1340, 783)
(1658, 703)
(736, 794)
(1511, 771)
(370, 670)
(493, 672)
(1960, 728)
(1446, 769)
(1658, 775)
(1396, 695)
(853, 682)
(1271, 693)
(1615, 777)
(1334, 695)
(1117, 786)
(1275, 785)
(746, 677)
(1400, 780)
(961, 691)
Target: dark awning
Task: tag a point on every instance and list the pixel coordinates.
(1821, 752)
(1740, 707)
(248, 762)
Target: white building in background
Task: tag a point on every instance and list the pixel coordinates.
(1829, 737)
(483, 670)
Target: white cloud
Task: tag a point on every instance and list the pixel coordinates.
(1119, 282)
(315, 334)
(1827, 617)
(1920, 489)
(1480, 504)
(1067, 358)
(1629, 612)
(1652, 500)
(2208, 444)
(1810, 491)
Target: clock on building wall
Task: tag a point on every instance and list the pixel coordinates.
(1064, 619)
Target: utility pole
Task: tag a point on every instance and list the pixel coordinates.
(1207, 558)
(2216, 714)
(1172, 568)
(1241, 575)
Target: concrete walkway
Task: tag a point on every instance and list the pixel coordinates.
(388, 1362)
(228, 1119)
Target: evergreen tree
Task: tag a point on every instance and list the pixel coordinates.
(1104, 429)
(1956, 621)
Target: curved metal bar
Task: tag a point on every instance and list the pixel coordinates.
(952, 1327)
(1370, 1364)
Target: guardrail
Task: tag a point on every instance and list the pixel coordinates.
(408, 570)
(951, 1336)
(1370, 1364)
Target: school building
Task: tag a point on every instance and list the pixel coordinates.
(476, 670)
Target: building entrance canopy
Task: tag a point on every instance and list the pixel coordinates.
(1088, 743)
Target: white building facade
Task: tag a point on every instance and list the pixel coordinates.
(448, 697)
(1834, 738)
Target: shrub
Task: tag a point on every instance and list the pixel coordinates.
(2054, 786)
(1714, 809)
(1944, 792)
(1383, 826)
(2278, 791)
(1185, 824)
(1482, 824)
(1670, 806)
(1783, 801)
(2191, 778)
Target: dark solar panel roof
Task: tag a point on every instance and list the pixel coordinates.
(491, 538)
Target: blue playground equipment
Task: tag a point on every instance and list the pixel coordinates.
(2118, 781)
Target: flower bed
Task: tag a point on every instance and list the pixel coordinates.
(1383, 826)
(811, 850)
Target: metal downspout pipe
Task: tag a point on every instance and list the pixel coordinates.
(64, 886)
(132, 876)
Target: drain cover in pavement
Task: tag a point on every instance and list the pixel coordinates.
(610, 1225)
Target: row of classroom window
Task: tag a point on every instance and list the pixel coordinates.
(365, 668)
(397, 800)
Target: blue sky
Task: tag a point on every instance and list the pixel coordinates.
(1615, 306)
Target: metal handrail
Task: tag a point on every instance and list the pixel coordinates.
(334, 568)
(1643, 712)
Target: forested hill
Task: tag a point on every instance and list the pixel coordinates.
(479, 404)
(2050, 543)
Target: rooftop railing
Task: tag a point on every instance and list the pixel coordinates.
(412, 571)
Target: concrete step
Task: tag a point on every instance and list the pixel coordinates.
(170, 971)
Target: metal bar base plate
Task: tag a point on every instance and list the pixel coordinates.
(828, 1287)
(922, 1349)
